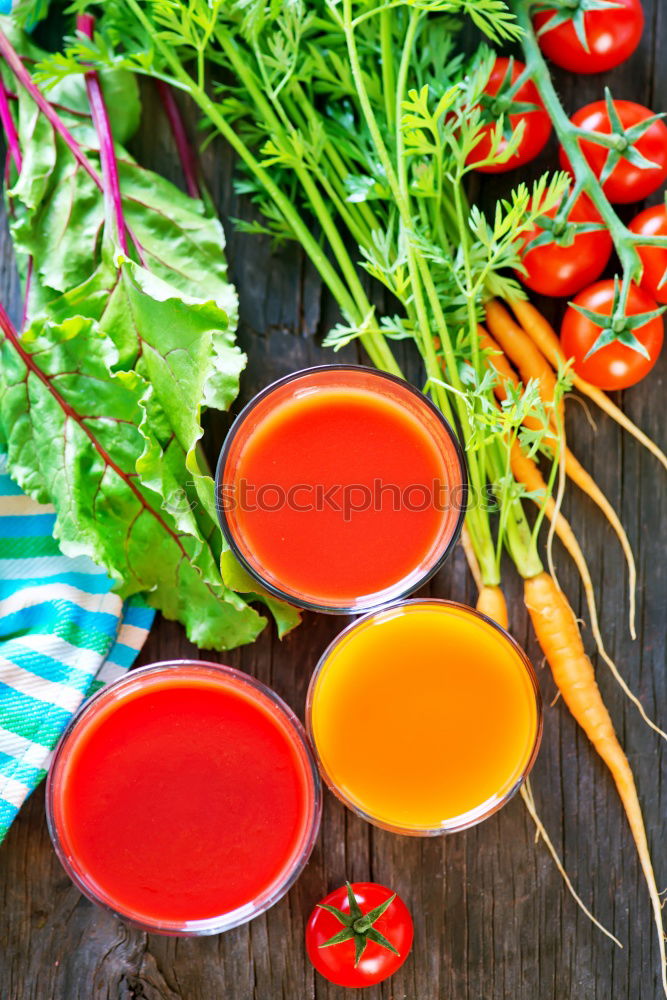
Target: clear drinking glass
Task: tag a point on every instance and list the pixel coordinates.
(302, 385)
(350, 686)
(143, 680)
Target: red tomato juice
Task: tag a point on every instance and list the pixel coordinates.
(183, 795)
(344, 487)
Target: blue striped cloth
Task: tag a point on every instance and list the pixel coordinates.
(63, 634)
(35, 9)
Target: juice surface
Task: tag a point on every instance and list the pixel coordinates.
(326, 446)
(423, 714)
(183, 800)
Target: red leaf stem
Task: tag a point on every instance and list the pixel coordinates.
(185, 152)
(12, 59)
(7, 121)
(86, 24)
(23, 77)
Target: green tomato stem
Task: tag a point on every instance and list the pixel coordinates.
(625, 242)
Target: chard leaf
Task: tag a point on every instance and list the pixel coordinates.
(113, 471)
(120, 88)
(62, 222)
(237, 577)
(105, 421)
(121, 96)
(38, 146)
(65, 220)
(180, 242)
(184, 347)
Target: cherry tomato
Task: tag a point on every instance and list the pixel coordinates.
(614, 366)
(612, 35)
(377, 929)
(652, 222)
(572, 258)
(537, 128)
(628, 181)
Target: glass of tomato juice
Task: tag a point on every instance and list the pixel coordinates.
(340, 488)
(184, 797)
(425, 717)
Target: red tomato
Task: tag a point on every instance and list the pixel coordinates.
(376, 917)
(612, 35)
(652, 222)
(572, 259)
(614, 366)
(628, 181)
(537, 123)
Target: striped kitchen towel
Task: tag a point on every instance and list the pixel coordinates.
(63, 634)
(31, 11)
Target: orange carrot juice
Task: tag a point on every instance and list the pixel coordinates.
(425, 716)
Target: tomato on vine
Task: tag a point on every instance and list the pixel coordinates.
(589, 36)
(563, 255)
(630, 157)
(612, 346)
(522, 104)
(359, 934)
(652, 222)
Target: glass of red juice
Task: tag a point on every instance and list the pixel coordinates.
(341, 488)
(184, 797)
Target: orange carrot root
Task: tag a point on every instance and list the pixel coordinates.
(587, 484)
(539, 330)
(558, 635)
(543, 335)
(497, 361)
(491, 602)
(540, 831)
(522, 352)
(525, 471)
(519, 347)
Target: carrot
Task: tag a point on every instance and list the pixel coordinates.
(539, 330)
(522, 352)
(541, 831)
(544, 337)
(525, 471)
(491, 602)
(573, 468)
(558, 635)
(587, 484)
(496, 360)
(490, 599)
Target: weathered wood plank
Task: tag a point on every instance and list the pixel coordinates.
(492, 917)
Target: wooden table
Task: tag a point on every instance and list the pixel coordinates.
(493, 920)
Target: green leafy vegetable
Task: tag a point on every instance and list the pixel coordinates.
(101, 397)
(87, 464)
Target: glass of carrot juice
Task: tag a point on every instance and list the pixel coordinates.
(425, 717)
(184, 797)
(340, 488)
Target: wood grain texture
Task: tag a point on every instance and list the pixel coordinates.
(492, 918)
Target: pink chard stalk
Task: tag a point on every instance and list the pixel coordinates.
(185, 152)
(85, 23)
